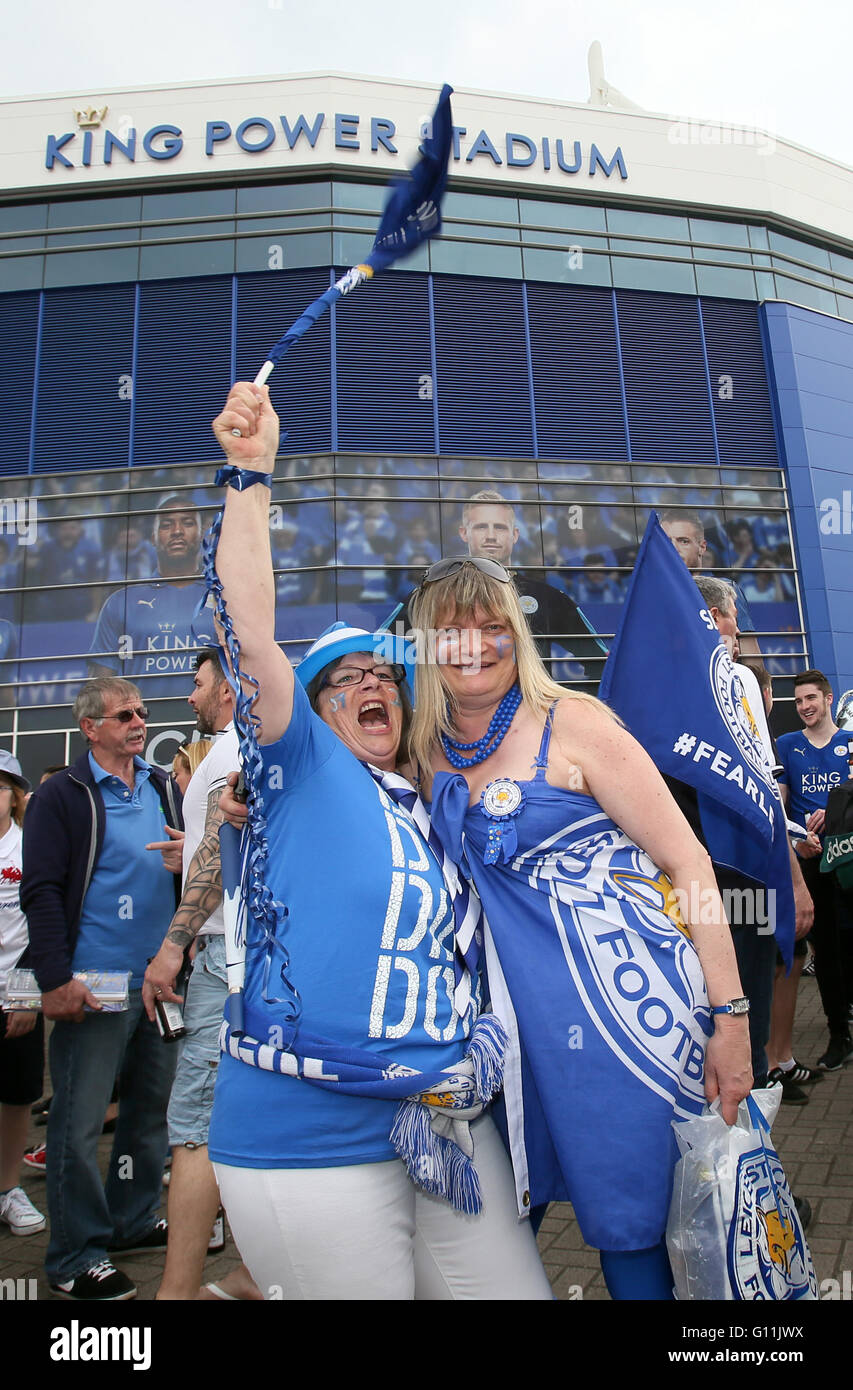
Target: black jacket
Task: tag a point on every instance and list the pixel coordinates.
(64, 831)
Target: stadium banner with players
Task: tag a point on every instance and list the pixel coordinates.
(671, 679)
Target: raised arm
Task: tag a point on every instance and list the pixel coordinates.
(244, 561)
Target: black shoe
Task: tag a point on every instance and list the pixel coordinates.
(101, 1283)
(808, 968)
(156, 1239)
(840, 1050)
(803, 1075)
(804, 1212)
(792, 1094)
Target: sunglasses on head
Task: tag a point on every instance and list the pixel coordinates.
(124, 716)
(443, 569)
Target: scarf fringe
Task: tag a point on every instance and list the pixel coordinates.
(435, 1163)
(487, 1048)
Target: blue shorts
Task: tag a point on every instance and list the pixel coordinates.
(191, 1100)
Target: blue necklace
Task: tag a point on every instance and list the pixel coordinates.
(492, 738)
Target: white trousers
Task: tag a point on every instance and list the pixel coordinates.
(366, 1232)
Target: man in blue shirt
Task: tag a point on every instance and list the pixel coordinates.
(95, 899)
(150, 631)
(815, 761)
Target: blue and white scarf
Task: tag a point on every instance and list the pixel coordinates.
(431, 1126)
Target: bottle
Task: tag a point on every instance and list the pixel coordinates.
(217, 1235)
(169, 1020)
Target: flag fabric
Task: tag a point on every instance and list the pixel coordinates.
(671, 679)
(412, 214)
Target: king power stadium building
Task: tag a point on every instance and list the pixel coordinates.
(624, 313)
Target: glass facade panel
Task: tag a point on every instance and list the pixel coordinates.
(368, 196)
(568, 267)
(647, 224)
(22, 273)
(811, 295)
(461, 258)
(481, 207)
(574, 216)
(725, 283)
(194, 258)
(719, 233)
(282, 197)
(91, 267)
(284, 252)
(631, 273)
(799, 250)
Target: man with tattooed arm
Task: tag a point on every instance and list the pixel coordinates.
(193, 1193)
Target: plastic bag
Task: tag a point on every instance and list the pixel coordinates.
(733, 1230)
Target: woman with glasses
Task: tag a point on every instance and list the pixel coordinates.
(347, 1135)
(626, 1016)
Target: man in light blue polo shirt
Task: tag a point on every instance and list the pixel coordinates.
(97, 899)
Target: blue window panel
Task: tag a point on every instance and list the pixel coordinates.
(575, 373)
(85, 379)
(666, 386)
(18, 326)
(745, 420)
(301, 387)
(183, 368)
(385, 397)
(483, 386)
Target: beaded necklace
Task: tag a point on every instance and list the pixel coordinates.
(492, 738)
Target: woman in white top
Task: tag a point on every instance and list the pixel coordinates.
(22, 1032)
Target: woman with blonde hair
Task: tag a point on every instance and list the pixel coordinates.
(622, 1016)
(187, 760)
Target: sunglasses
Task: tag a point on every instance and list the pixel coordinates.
(443, 569)
(124, 716)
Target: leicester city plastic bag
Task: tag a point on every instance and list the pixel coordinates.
(733, 1230)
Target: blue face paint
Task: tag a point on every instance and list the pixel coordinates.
(337, 702)
(395, 698)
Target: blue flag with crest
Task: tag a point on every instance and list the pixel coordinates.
(671, 679)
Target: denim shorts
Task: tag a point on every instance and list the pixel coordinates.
(191, 1100)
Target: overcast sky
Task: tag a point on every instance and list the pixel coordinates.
(779, 64)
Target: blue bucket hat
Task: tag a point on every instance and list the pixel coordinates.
(340, 639)
(12, 768)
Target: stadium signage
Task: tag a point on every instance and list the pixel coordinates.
(92, 146)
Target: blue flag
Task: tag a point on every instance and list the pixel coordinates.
(671, 679)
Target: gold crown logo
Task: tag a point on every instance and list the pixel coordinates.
(89, 117)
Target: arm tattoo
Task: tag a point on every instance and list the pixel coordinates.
(203, 889)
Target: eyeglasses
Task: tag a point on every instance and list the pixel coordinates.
(350, 677)
(443, 569)
(124, 716)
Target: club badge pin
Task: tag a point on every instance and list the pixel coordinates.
(501, 802)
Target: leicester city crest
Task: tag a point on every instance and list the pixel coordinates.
(739, 719)
(768, 1257)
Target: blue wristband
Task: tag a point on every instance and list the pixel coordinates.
(240, 478)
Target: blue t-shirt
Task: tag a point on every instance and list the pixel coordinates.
(155, 632)
(811, 772)
(370, 939)
(130, 900)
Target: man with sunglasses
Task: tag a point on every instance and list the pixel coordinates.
(95, 899)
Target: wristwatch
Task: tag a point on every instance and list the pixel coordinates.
(734, 1006)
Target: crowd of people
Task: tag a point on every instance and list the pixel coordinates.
(338, 1082)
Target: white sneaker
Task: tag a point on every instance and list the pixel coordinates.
(20, 1215)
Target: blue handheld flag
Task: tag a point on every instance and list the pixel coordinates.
(412, 215)
(673, 682)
